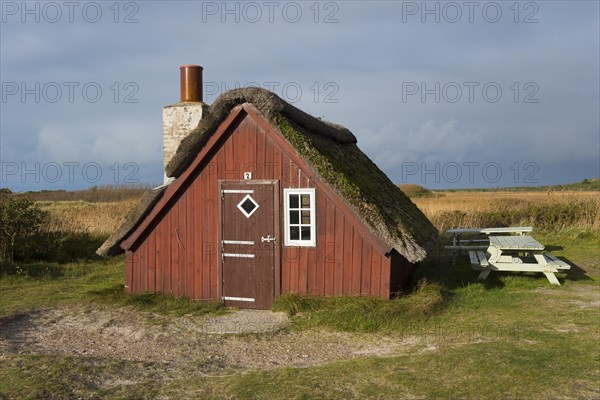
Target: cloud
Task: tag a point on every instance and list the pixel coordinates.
(104, 142)
(367, 54)
(432, 141)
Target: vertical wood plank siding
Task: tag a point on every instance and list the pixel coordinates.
(178, 254)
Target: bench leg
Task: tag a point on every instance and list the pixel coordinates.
(552, 278)
(484, 274)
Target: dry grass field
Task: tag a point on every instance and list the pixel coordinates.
(554, 210)
(97, 218)
(485, 201)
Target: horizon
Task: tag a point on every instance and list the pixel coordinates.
(148, 186)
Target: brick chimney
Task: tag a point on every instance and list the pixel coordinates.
(181, 118)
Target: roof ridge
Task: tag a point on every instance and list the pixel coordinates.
(268, 104)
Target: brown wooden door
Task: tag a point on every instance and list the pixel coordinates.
(248, 244)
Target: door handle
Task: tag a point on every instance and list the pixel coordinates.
(267, 239)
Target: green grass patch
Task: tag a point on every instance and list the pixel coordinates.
(364, 314)
(545, 365)
(45, 284)
(155, 302)
(478, 371)
(59, 377)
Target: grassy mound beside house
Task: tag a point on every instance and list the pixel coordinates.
(365, 314)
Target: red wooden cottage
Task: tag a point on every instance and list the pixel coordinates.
(264, 199)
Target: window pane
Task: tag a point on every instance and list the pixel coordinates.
(306, 233)
(300, 218)
(306, 217)
(305, 200)
(294, 232)
(248, 206)
(294, 217)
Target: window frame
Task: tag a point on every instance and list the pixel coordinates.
(286, 217)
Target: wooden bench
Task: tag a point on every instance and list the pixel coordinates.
(556, 262)
(478, 259)
(480, 262)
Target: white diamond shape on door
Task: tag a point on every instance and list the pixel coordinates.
(248, 206)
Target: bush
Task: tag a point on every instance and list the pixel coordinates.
(21, 230)
(415, 191)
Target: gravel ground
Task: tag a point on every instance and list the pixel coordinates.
(125, 334)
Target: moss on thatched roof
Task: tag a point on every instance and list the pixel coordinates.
(384, 208)
(331, 151)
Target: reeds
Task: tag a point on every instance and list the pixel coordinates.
(86, 217)
(552, 211)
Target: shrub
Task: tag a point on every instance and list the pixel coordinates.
(21, 230)
(414, 191)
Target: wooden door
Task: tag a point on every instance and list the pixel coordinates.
(248, 243)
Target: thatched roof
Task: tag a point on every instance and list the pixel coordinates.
(331, 151)
(268, 104)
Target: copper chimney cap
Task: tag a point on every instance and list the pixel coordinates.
(191, 83)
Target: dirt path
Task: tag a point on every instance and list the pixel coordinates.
(124, 334)
(580, 296)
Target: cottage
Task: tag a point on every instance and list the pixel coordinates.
(261, 199)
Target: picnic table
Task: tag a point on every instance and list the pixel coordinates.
(479, 239)
(472, 244)
(516, 253)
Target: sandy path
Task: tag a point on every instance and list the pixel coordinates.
(125, 334)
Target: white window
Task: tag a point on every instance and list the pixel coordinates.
(299, 217)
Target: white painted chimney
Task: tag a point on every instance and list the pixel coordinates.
(181, 118)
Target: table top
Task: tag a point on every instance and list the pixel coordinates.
(515, 243)
(511, 229)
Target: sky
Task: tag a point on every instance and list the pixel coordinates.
(443, 94)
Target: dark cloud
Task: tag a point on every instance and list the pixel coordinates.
(355, 71)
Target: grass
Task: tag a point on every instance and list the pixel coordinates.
(154, 302)
(517, 371)
(512, 336)
(463, 324)
(362, 314)
(91, 281)
(544, 365)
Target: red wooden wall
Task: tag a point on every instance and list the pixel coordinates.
(178, 253)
